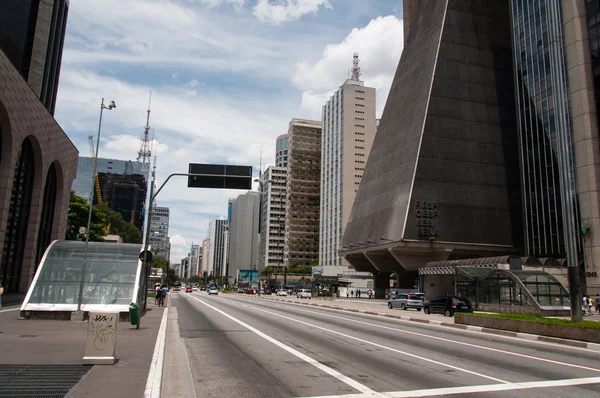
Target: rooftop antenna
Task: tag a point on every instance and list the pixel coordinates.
(355, 68)
(145, 153)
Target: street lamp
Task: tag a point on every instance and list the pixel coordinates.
(78, 314)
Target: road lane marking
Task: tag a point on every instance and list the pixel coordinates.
(385, 347)
(9, 310)
(352, 383)
(434, 392)
(460, 342)
(154, 381)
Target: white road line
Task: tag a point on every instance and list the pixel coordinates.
(385, 347)
(433, 392)
(459, 342)
(352, 383)
(470, 329)
(9, 310)
(154, 382)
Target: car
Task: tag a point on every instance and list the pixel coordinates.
(447, 305)
(405, 301)
(195, 288)
(282, 292)
(304, 293)
(188, 289)
(213, 290)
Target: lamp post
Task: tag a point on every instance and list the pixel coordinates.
(79, 314)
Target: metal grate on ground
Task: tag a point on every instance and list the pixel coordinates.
(43, 381)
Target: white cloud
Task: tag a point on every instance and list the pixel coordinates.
(287, 10)
(379, 45)
(179, 248)
(193, 82)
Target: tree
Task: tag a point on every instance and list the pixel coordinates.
(78, 216)
(116, 225)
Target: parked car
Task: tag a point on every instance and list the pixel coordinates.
(447, 305)
(282, 292)
(188, 289)
(304, 293)
(407, 300)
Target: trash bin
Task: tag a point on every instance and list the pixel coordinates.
(134, 316)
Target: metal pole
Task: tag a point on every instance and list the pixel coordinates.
(89, 221)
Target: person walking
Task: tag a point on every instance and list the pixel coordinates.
(157, 292)
(163, 295)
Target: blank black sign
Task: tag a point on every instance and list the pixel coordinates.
(220, 176)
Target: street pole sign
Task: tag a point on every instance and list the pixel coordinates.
(219, 176)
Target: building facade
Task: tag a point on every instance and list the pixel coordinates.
(195, 259)
(204, 268)
(32, 33)
(272, 234)
(302, 193)
(281, 150)
(38, 163)
(123, 186)
(216, 251)
(349, 127)
(243, 232)
(184, 268)
(159, 233)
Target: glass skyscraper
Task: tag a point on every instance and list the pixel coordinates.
(545, 128)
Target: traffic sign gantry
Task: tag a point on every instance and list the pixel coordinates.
(220, 176)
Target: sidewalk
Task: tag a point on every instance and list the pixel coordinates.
(48, 342)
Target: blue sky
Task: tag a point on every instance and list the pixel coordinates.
(226, 78)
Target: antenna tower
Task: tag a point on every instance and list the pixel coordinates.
(145, 152)
(355, 68)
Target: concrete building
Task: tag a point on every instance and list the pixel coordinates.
(184, 268)
(281, 151)
(204, 268)
(348, 130)
(38, 163)
(195, 259)
(302, 193)
(123, 186)
(243, 232)
(216, 253)
(32, 33)
(159, 233)
(272, 235)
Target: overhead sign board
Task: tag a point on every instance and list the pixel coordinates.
(220, 176)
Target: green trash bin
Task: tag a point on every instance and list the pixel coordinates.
(134, 316)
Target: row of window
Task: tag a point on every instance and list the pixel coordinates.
(359, 98)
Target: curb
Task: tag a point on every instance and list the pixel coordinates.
(524, 336)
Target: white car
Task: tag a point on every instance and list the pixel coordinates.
(282, 293)
(304, 293)
(213, 290)
(195, 288)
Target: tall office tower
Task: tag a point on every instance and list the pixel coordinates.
(122, 185)
(349, 126)
(32, 34)
(281, 151)
(204, 268)
(302, 189)
(243, 249)
(195, 259)
(159, 233)
(228, 233)
(184, 271)
(216, 254)
(272, 235)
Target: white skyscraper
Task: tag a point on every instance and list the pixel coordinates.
(216, 255)
(272, 236)
(243, 232)
(348, 130)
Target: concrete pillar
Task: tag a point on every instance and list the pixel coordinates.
(381, 281)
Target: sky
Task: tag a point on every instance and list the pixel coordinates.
(225, 77)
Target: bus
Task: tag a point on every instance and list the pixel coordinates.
(177, 286)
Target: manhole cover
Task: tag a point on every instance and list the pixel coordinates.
(47, 381)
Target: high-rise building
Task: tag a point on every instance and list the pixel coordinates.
(184, 268)
(243, 232)
(32, 34)
(204, 268)
(302, 193)
(123, 186)
(272, 235)
(38, 162)
(195, 259)
(348, 130)
(281, 151)
(216, 251)
(159, 233)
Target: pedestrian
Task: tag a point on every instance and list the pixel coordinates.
(358, 292)
(386, 294)
(591, 306)
(157, 292)
(352, 293)
(1, 293)
(598, 303)
(163, 295)
(347, 294)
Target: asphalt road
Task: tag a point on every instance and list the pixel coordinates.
(240, 346)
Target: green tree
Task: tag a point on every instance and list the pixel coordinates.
(77, 217)
(116, 225)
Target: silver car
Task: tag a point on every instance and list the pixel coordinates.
(407, 300)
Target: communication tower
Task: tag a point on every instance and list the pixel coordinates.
(145, 152)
